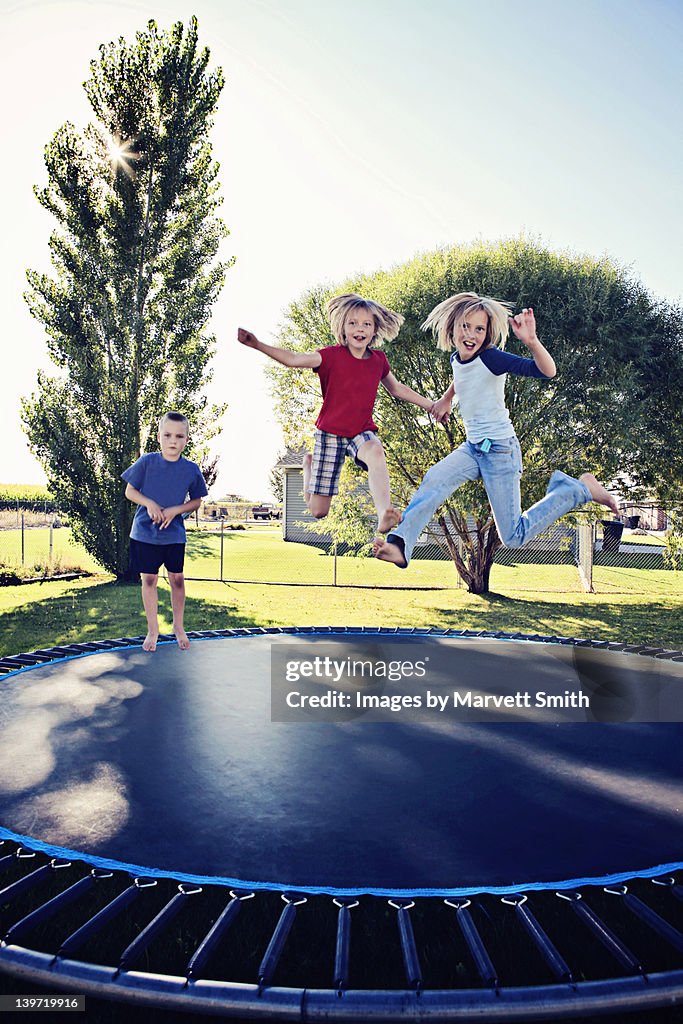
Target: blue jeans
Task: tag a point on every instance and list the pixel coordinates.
(500, 469)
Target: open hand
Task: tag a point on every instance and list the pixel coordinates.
(524, 326)
(247, 338)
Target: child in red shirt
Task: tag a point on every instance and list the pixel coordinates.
(350, 374)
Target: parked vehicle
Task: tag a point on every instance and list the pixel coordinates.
(266, 512)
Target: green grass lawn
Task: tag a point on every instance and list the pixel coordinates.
(259, 555)
(41, 614)
(66, 552)
(644, 539)
(636, 604)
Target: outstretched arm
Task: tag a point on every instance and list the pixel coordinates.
(304, 360)
(404, 393)
(524, 327)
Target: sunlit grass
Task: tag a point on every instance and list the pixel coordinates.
(65, 550)
(259, 555)
(42, 614)
(639, 605)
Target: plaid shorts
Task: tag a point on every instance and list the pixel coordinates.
(329, 452)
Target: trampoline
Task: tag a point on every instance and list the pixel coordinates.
(354, 764)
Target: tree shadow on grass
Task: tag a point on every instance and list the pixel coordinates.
(104, 611)
(203, 545)
(657, 621)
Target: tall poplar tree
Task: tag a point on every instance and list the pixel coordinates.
(135, 197)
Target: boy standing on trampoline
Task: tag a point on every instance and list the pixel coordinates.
(350, 374)
(159, 483)
(474, 326)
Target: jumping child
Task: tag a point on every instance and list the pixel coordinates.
(475, 325)
(350, 374)
(159, 483)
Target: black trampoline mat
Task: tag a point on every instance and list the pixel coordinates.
(170, 762)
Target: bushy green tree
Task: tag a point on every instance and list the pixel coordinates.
(135, 197)
(673, 550)
(613, 408)
(275, 480)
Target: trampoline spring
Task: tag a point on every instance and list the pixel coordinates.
(218, 929)
(49, 909)
(342, 951)
(614, 945)
(96, 923)
(546, 948)
(8, 861)
(157, 924)
(278, 939)
(411, 960)
(475, 943)
(650, 917)
(671, 884)
(29, 881)
(20, 853)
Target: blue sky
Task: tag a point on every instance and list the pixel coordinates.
(352, 135)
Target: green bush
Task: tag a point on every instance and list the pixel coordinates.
(673, 552)
(10, 577)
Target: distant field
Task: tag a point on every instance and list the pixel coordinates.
(31, 491)
(25, 494)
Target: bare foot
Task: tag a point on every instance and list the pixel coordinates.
(390, 518)
(182, 638)
(599, 493)
(388, 552)
(150, 642)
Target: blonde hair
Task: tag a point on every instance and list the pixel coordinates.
(445, 318)
(387, 323)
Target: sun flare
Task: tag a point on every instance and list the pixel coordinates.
(121, 155)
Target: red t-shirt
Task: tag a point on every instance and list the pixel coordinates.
(349, 388)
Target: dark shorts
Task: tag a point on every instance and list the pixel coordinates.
(149, 558)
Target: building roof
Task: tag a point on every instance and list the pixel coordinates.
(292, 459)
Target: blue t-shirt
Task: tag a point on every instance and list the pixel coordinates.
(167, 483)
(480, 391)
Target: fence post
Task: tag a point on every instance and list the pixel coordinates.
(460, 583)
(23, 543)
(49, 560)
(334, 569)
(585, 544)
(222, 538)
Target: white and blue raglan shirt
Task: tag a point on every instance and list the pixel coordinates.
(480, 391)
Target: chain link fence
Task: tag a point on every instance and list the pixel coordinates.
(582, 555)
(36, 542)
